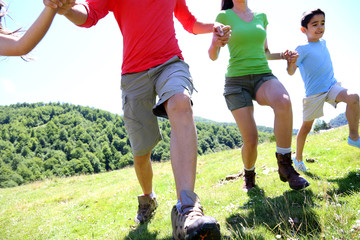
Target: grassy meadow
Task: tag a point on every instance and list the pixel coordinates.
(102, 206)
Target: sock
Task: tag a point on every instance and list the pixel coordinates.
(283, 151)
(250, 169)
(178, 205)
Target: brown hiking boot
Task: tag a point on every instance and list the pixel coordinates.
(288, 174)
(191, 223)
(249, 180)
(146, 208)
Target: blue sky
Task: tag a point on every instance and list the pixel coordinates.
(83, 66)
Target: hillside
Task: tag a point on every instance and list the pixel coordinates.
(102, 206)
(38, 141)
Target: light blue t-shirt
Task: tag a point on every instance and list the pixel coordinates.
(314, 63)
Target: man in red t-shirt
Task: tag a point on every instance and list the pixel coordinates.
(153, 66)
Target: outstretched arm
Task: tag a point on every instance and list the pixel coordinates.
(11, 45)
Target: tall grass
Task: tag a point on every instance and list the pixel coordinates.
(102, 206)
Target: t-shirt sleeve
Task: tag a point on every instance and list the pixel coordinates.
(221, 18)
(301, 55)
(265, 20)
(184, 16)
(96, 10)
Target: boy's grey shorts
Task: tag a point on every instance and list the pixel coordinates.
(139, 92)
(240, 91)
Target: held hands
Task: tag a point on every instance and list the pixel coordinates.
(290, 56)
(221, 35)
(63, 6)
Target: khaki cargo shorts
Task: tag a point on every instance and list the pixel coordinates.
(139, 94)
(313, 105)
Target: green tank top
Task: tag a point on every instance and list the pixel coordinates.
(246, 45)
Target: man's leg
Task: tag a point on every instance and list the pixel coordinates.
(144, 172)
(188, 220)
(183, 142)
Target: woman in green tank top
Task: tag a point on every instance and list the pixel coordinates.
(249, 78)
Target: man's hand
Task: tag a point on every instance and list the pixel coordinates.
(63, 6)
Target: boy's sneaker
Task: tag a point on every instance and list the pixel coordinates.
(191, 223)
(299, 166)
(354, 143)
(146, 208)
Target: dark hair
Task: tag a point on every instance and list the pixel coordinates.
(226, 4)
(307, 16)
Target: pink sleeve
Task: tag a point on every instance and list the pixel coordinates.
(184, 16)
(96, 10)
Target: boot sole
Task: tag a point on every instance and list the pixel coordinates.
(295, 187)
(209, 231)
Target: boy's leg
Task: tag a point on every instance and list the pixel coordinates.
(352, 112)
(301, 138)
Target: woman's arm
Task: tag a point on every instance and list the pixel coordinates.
(18, 46)
(272, 56)
(221, 36)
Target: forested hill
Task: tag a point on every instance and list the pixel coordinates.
(40, 140)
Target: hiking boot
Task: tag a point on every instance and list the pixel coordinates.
(288, 174)
(191, 223)
(146, 208)
(249, 180)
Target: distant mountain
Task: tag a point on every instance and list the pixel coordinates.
(340, 120)
(41, 140)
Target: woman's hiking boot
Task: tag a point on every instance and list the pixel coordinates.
(249, 180)
(288, 174)
(146, 208)
(190, 222)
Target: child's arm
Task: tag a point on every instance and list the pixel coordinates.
(18, 46)
(221, 36)
(291, 57)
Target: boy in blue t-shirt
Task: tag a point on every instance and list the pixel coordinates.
(314, 62)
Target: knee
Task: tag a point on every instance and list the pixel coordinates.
(180, 103)
(250, 143)
(283, 105)
(353, 99)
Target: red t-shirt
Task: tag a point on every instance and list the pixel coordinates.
(147, 27)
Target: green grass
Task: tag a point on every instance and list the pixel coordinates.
(102, 206)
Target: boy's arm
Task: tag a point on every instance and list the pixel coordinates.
(18, 46)
(291, 68)
(76, 13)
(291, 57)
